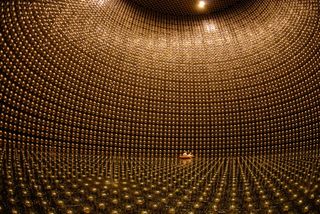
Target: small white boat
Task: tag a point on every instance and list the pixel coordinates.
(186, 156)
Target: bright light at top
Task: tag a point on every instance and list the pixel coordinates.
(201, 4)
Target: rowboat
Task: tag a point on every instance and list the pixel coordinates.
(186, 156)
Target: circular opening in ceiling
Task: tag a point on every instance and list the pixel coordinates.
(185, 7)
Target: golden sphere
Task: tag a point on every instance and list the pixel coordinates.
(196, 206)
(27, 203)
(286, 208)
(140, 202)
(69, 211)
(102, 206)
(60, 203)
(86, 209)
(115, 201)
(128, 207)
(171, 211)
(90, 198)
(305, 209)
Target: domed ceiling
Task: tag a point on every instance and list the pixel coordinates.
(186, 7)
(161, 76)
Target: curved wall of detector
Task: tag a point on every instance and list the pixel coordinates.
(116, 77)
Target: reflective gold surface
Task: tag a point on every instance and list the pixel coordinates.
(106, 73)
(98, 98)
(47, 180)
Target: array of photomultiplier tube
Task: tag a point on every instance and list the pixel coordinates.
(69, 182)
(113, 76)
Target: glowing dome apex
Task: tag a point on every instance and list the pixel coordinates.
(185, 7)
